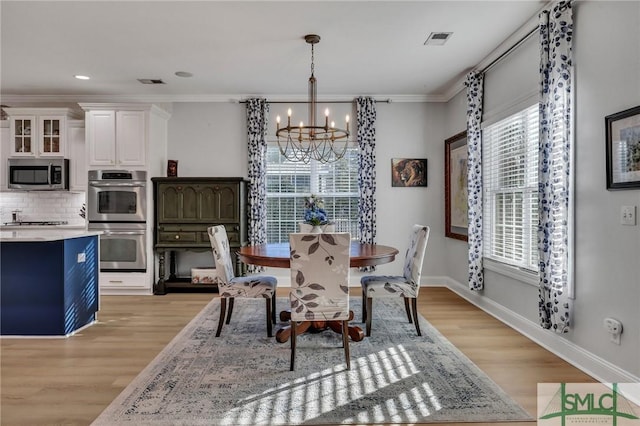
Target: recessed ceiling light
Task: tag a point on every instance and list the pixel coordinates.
(437, 39)
(82, 77)
(183, 74)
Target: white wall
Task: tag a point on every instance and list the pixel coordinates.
(209, 139)
(607, 254)
(411, 130)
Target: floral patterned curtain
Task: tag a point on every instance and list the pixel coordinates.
(554, 171)
(257, 118)
(366, 116)
(474, 85)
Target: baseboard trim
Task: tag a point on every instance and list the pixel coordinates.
(591, 364)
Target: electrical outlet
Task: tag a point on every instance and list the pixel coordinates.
(614, 327)
(628, 215)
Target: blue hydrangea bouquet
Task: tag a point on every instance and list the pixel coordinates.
(314, 212)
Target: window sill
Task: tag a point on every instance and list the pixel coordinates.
(527, 277)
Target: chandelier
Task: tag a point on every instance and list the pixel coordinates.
(325, 143)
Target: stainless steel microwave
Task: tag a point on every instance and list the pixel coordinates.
(43, 174)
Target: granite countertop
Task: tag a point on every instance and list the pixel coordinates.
(48, 234)
(28, 228)
(9, 226)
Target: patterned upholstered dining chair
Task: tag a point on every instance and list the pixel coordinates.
(406, 285)
(230, 286)
(320, 283)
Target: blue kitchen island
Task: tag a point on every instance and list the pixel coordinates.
(48, 281)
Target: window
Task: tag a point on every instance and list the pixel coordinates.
(288, 183)
(510, 182)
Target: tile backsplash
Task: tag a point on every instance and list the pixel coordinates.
(43, 205)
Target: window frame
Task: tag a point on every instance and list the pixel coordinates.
(316, 171)
(525, 268)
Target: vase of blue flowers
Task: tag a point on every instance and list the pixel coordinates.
(315, 216)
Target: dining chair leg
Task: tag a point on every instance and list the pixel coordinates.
(364, 305)
(414, 303)
(273, 308)
(406, 308)
(292, 365)
(269, 317)
(231, 299)
(345, 342)
(223, 309)
(369, 314)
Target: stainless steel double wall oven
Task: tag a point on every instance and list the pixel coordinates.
(117, 206)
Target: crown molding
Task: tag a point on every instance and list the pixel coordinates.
(10, 99)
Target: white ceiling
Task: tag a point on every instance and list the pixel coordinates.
(237, 49)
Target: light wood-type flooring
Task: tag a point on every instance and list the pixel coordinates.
(70, 381)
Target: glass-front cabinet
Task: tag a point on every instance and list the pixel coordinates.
(52, 135)
(38, 132)
(21, 135)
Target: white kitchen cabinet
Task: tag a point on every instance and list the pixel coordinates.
(4, 153)
(52, 135)
(38, 132)
(117, 138)
(76, 148)
(124, 283)
(131, 138)
(100, 129)
(23, 129)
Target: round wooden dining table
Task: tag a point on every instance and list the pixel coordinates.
(276, 255)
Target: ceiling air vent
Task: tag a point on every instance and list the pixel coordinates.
(150, 81)
(437, 39)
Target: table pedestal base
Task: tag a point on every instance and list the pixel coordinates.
(282, 335)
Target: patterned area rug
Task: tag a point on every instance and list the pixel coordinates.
(243, 377)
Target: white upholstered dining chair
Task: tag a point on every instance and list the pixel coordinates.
(230, 286)
(320, 283)
(406, 285)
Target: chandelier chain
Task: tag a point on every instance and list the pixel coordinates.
(312, 62)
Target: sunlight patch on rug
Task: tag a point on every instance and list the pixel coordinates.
(243, 377)
(321, 392)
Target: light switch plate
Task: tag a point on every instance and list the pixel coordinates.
(628, 215)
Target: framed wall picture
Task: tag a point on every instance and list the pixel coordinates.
(623, 149)
(455, 186)
(408, 172)
(172, 168)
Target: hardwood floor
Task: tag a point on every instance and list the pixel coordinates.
(70, 381)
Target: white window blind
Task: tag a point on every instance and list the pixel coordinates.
(510, 182)
(288, 183)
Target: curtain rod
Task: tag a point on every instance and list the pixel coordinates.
(387, 101)
(509, 50)
(522, 40)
